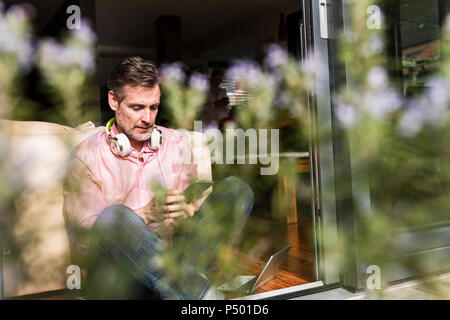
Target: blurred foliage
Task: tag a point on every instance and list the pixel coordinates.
(399, 147)
(15, 53)
(276, 95)
(183, 101)
(68, 68)
(399, 150)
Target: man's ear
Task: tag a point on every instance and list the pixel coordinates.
(112, 100)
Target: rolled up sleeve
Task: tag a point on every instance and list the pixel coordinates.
(83, 195)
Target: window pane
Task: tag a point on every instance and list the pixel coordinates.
(420, 42)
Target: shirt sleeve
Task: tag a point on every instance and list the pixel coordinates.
(83, 196)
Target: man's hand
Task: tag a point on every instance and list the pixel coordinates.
(173, 207)
(151, 212)
(176, 206)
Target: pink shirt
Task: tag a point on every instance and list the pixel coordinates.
(97, 178)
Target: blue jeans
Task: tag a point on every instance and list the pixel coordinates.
(121, 262)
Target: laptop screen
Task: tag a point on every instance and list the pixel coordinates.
(271, 267)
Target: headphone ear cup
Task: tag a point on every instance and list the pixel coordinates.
(155, 139)
(123, 144)
(114, 146)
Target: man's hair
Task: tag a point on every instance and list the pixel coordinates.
(133, 71)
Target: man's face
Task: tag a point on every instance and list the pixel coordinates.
(136, 113)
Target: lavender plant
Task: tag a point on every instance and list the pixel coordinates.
(15, 56)
(265, 106)
(183, 101)
(68, 68)
(399, 148)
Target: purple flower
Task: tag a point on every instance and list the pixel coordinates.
(380, 103)
(276, 56)
(438, 95)
(378, 99)
(54, 55)
(85, 32)
(246, 70)
(376, 43)
(251, 74)
(430, 109)
(377, 78)
(172, 71)
(315, 64)
(83, 57)
(15, 37)
(345, 113)
(412, 120)
(199, 81)
(315, 67)
(17, 14)
(51, 51)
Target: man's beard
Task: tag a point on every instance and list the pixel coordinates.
(135, 135)
(138, 136)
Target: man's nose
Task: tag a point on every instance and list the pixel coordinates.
(146, 116)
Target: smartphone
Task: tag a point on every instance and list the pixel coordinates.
(196, 189)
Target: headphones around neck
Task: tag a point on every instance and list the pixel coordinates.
(120, 145)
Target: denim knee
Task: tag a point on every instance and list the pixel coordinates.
(239, 190)
(237, 184)
(116, 218)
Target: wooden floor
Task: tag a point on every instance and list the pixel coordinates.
(298, 267)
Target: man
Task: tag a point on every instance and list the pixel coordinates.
(117, 226)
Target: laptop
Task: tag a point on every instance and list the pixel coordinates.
(248, 284)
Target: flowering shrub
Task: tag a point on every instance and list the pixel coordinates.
(184, 102)
(67, 68)
(15, 56)
(399, 150)
(399, 147)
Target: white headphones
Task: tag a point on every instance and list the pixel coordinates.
(120, 145)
